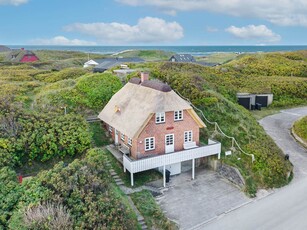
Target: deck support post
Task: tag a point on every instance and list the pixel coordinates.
(131, 174)
(164, 179)
(193, 169)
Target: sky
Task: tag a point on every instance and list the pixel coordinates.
(153, 22)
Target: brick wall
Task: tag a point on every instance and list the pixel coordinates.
(160, 130)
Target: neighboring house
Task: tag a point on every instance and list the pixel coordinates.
(108, 63)
(4, 49)
(154, 127)
(90, 63)
(182, 58)
(22, 55)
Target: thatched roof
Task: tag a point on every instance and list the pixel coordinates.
(130, 109)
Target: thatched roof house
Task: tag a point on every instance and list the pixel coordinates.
(22, 55)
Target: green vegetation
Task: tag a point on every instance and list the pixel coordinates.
(28, 137)
(88, 92)
(140, 178)
(152, 213)
(82, 192)
(218, 58)
(99, 136)
(300, 128)
(10, 193)
(148, 55)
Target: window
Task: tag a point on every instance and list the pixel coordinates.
(129, 141)
(178, 115)
(160, 117)
(110, 129)
(122, 137)
(149, 143)
(188, 136)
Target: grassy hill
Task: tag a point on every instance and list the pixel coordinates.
(147, 55)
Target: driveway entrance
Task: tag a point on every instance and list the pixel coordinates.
(193, 202)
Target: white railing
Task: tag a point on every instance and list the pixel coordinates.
(144, 164)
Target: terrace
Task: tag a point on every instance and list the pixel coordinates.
(192, 153)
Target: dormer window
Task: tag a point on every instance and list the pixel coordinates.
(178, 115)
(160, 117)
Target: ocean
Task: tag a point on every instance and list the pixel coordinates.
(193, 50)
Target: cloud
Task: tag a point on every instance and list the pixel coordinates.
(260, 33)
(13, 2)
(62, 41)
(212, 29)
(147, 30)
(285, 12)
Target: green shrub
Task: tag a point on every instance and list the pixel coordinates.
(300, 128)
(96, 90)
(86, 190)
(9, 194)
(91, 91)
(152, 213)
(69, 73)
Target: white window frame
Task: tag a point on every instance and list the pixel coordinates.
(188, 136)
(122, 136)
(149, 143)
(110, 129)
(129, 141)
(160, 117)
(178, 115)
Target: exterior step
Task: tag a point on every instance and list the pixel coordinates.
(117, 180)
(116, 177)
(120, 183)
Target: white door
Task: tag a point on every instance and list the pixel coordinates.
(116, 137)
(169, 143)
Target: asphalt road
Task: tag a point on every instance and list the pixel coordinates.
(287, 207)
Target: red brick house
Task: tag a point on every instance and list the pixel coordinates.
(148, 120)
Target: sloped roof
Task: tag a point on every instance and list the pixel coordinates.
(183, 58)
(91, 62)
(108, 63)
(130, 109)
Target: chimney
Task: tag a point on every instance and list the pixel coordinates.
(144, 76)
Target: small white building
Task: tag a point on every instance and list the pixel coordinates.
(90, 63)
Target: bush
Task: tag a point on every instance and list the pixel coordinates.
(10, 193)
(300, 128)
(47, 216)
(84, 186)
(39, 137)
(69, 73)
(90, 91)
